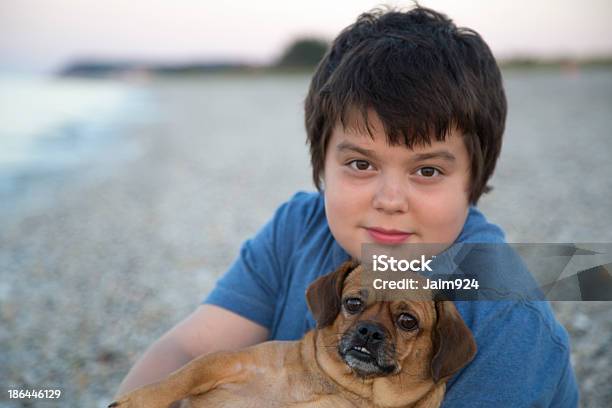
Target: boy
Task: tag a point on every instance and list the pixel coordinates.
(404, 116)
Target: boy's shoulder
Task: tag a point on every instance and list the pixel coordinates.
(304, 205)
(299, 224)
(303, 213)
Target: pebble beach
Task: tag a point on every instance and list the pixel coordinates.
(98, 261)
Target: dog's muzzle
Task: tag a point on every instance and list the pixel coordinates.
(365, 348)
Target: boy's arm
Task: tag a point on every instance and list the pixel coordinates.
(208, 329)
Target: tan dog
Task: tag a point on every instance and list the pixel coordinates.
(362, 354)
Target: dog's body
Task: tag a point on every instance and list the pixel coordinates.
(271, 374)
(362, 354)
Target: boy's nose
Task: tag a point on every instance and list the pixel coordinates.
(391, 196)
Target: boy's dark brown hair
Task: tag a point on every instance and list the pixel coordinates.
(422, 75)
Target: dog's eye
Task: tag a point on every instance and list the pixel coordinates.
(407, 322)
(353, 305)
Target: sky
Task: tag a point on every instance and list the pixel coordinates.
(45, 34)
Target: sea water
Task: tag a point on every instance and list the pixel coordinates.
(50, 124)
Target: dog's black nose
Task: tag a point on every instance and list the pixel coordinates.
(370, 331)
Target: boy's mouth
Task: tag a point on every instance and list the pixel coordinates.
(384, 236)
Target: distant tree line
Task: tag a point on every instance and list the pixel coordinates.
(302, 54)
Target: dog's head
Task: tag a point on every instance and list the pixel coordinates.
(420, 339)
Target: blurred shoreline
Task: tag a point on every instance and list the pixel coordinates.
(68, 123)
(139, 72)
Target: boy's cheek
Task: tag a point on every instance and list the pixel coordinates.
(337, 201)
(335, 188)
(345, 197)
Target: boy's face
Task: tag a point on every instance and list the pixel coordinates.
(377, 193)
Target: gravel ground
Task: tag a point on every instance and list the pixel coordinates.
(96, 265)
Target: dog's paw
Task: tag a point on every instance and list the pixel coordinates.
(120, 404)
(140, 398)
(124, 402)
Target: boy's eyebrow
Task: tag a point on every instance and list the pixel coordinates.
(438, 154)
(352, 147)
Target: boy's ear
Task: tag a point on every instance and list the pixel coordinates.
(324, 295)
(453, 343)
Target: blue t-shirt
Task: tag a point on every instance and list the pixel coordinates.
(523, 357)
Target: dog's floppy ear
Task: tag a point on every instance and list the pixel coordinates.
(324, 295)
(453, 343)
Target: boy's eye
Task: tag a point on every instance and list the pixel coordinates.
(428, 171)
(360, 165)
